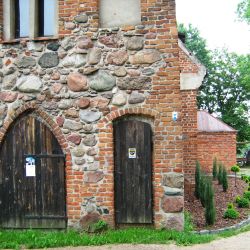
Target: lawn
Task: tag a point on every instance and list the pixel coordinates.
(17, 239)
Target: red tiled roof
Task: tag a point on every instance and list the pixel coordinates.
(209, 123)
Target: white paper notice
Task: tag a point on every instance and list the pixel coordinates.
(132, 153)
(30, 167)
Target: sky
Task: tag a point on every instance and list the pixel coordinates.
(217, 22)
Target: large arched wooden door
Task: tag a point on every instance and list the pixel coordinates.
(133, 172)
(32, 181)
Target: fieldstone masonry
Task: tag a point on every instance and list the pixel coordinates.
(81, 82)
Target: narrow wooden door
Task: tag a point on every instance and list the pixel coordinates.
(31, 196)
(133, 172)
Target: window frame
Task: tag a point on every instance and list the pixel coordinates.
(10, 22)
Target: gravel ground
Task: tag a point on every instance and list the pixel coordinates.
(238, 242)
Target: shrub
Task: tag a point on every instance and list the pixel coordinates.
(235, 169)
(197, 180)
(210, 212)
(243, 177)
(243, 202)
(219, 177)
(100, 226)
(231, 213)
(246, 195)
(215, 168)
(224, 180)
(230, 205)
(203, 186)
(237, 198)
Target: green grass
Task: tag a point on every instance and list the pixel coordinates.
(45, 239)
(17, 239)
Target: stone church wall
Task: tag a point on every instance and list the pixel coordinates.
(80, 82)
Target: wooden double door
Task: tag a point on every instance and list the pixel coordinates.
(32, 177)
(133, 172)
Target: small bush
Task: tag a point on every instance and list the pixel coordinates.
(215, 168)
(243, 177)
(235, 168)
(231, 213)
(246, 195)
(243, 202)
(203, 186)
(210, 212)
(197, 180)
(230, 205)
(220, 174)
(224, 180)
(237, 198)
(100, 226)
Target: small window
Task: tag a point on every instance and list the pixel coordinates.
(47, 10)
(30, 18)
(115, 13)
(22, 8)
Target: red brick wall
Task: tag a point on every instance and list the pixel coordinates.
(187, 66)
(221, 145)
(189, 119)
(68, 9)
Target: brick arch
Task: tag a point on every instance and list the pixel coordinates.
(32, 106)
(108, 119)
(106, 149)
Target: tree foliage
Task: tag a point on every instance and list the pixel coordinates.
(243, 10)
(226, 87)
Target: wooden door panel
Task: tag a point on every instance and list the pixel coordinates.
(37, 201)
(133, 176)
